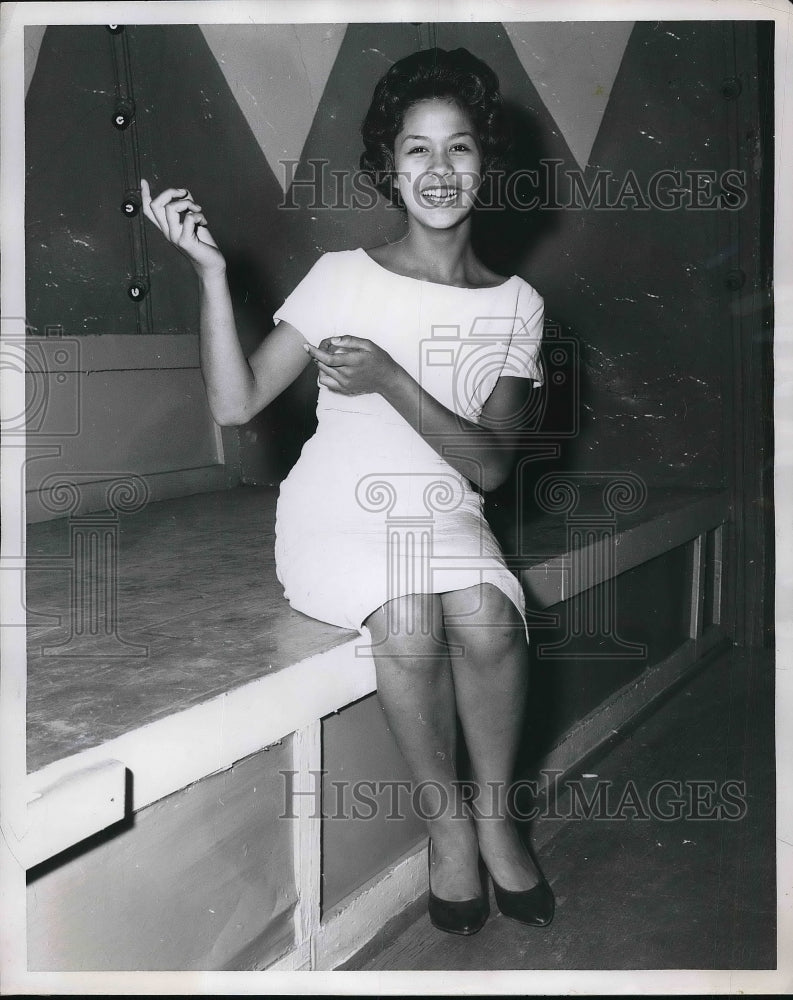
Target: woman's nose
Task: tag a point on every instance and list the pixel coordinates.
(441, 164)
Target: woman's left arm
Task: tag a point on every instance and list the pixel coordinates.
(483, 452)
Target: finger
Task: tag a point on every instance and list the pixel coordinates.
(329, 382)
(157, 209)
(188, 233)
(334, 373)
(145, 197)
(181, 205)
(332, 344)
(204, 235)
(174, 212)
(324, 356)
(168, 194)
(159, 203)
(347, 341)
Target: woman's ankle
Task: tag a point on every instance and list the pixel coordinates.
(506, 854)
(454, 869)
(453, 831)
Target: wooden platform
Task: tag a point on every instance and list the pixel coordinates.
(199, 606)
(200, 611)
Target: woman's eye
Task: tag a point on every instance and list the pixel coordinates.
(461, 146)
(418, 149)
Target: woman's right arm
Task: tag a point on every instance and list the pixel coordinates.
(237, 387)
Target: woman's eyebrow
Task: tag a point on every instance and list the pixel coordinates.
(454, 135)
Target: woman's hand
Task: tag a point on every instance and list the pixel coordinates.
(352, 365)
(183, 224)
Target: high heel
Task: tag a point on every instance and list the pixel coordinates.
(533, 906)
(466, 916)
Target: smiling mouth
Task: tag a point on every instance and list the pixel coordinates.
(440, 196)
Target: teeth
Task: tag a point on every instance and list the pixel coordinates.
(438, 194)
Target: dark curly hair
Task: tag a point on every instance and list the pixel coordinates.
(454, 75)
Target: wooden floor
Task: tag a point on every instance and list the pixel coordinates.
(647, 893)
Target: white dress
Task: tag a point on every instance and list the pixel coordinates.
(370, 511)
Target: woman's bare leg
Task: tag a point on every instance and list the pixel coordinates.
(416, 690)
(491, 684)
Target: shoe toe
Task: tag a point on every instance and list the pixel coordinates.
(458, 917)
(533, 906)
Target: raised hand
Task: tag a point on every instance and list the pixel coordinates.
(352, 365)
(182, 223)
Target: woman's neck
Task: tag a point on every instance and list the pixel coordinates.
(442, 255)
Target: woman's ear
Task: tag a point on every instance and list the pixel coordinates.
(393, 189)
(392, 180)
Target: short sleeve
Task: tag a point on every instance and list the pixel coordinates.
(523, 356)
(309, 307)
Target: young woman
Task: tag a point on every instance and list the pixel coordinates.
(425, 362)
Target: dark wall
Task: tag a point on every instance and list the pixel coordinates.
(574, 672)
(77, 240)
(640, 289)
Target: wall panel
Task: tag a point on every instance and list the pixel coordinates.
(200, 880)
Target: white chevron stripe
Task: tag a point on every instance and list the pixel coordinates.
(277, 73)
(573, 65)
(33, 36)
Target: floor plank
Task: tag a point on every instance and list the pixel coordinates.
(637, 893)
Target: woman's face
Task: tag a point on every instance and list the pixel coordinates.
(437, 161)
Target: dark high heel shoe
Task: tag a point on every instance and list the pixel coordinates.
(466, 916)
(533, 906)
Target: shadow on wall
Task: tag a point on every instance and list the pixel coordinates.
(295, 408)
(510, 232)
(507, 234)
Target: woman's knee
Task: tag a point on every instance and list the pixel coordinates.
(409, 628)
(485, 622)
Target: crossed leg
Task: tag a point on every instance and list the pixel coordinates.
(491, 685)
(416, 690)
(422, 690)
